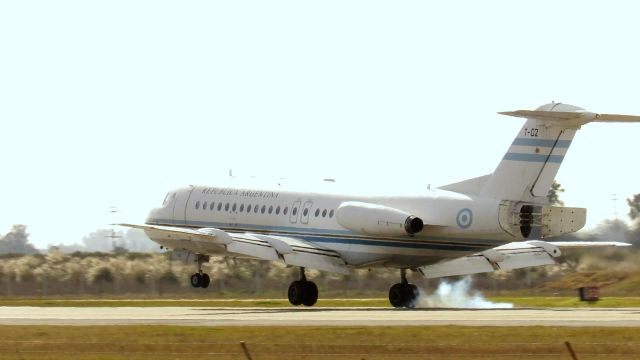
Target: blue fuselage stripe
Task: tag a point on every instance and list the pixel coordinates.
(534, 158)
(394, 244)
(333, 236)
(197, 223)
(564, 144)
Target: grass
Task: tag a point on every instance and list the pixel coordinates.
(436, 342)
(568, 301)
(539, 301)
(188, 303)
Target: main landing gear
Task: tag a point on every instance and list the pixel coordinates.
(200, 279)
(403, 294)
(303, 291)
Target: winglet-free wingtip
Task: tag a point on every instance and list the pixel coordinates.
(569, 115)
(580, 244)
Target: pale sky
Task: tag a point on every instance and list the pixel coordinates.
(114, 103)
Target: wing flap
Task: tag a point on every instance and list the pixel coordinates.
(253, 250)
(515, 255)
(316, 261)
(467, 265)
(511, 256)
(297, 252)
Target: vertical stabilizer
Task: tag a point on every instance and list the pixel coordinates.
(529, 167)
(527, 170)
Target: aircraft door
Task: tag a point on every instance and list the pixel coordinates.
(306, 209)
(295, 210)
(180, 206)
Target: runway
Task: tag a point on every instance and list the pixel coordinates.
(202, 316)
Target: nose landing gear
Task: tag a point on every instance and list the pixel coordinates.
(403, 294)
(303, 292)
(200, 279)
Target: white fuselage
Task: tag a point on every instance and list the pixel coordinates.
(454, 224)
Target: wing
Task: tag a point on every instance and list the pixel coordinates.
(285, 249)
(514, 255)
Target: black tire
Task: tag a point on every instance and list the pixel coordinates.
(398, 295)
(310, 293)
(196, 280)
(296, 293)
(412, 294)
(205, 281)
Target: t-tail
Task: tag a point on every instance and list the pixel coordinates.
(526, 172)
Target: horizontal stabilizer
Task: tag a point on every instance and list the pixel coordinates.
(616, 118)
(570, 119)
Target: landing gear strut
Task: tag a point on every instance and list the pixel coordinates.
(200, 279)
(303, 291)
(403, 294)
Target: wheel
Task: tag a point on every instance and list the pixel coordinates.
(196, 280)
(205, 281)
(403, 295)
(296, 293)
(411, 293)
(398, 295)
(309, 293)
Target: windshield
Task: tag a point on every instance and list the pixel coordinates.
(168, 199)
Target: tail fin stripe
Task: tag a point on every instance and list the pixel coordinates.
(539, 158)
(542, 142)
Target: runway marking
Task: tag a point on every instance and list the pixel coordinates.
(294, 316)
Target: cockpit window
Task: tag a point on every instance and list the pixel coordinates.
(168, 199)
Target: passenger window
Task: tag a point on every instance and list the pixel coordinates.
(270, 209)
(226, 207)
(249, 208)
(324, 213)
(264, 207)
(278, 210)
(295, 211)
(204, 206)
(255, 209)
(331, 213)
(241, 207)
(317, 212)
(219, 206)
(211, 206)
(286, 210)
(305, 212)
(197, 205)
(234, 207)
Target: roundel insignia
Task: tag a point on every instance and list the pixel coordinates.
(464, 218)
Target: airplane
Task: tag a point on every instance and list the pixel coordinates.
(496, 221)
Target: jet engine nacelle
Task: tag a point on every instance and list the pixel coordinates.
(374, 219)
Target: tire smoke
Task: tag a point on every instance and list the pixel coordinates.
(456, 294)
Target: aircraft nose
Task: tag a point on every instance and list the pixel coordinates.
(158, 216)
